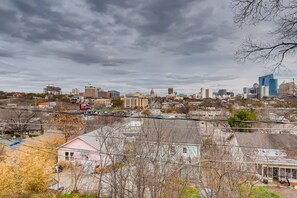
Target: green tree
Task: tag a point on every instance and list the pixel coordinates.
(238, 120)
(117, 102)
(257, 192)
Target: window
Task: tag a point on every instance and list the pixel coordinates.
(184, 150)
(172, 150)
(288, 172)
(282, 172)
(270, 172)
(69, 156)
(294, 173)
(265, 171)
(259, 169)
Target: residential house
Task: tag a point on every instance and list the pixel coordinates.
(270, 155)
(100, 148)
(170, 143)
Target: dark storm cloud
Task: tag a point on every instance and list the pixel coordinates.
(119, 72)
(101, 5)
(35, 21)
(170, 80)
(5, 53)
(167, 25)
(8, 20)
(143, 43)
(161, 15)
(8, 70)
(89, 57)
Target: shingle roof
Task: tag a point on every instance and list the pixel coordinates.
(286, 142)
(272, 148)
(174, 131)
(96, 138)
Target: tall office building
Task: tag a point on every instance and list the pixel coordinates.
(222, 92)
(91, 92)
(263, 91)
(286, 89)
(114, 93)
(271, 82)
(104, 94)
(206, 93)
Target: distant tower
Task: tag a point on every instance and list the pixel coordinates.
(152, 92)
(170, 91)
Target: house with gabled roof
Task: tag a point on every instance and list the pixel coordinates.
(98, 147)
(171, 145)
(271, 156)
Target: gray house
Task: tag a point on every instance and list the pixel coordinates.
(271, 156)
(171, 143)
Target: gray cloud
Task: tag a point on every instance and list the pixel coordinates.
(120, 43)
(5, 53)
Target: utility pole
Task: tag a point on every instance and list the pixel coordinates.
(293, 86)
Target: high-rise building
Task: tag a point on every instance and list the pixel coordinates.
(114, 93)
(222, 92)
(92, 92)
(206, 93)
(246, 90)
(286, 89)
(271, 82)
(263, 91)
(104, 94)
(170, 91)
(203, 93)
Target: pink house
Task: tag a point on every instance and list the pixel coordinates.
(97, 148)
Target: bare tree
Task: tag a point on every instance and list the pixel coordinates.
(161, 168)
(283, 39)
(69, 124)
(18, 120)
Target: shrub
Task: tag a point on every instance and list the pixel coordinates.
(237, 120)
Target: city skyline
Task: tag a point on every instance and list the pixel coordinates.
(127, 45)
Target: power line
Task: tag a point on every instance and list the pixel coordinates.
(140, 130)
(131, 127)
(145, 158)
(145, 117)
(164, 142)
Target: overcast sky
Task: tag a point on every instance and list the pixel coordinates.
(127, 45)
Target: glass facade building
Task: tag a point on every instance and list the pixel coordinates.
(114, 94)
(271, 82)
